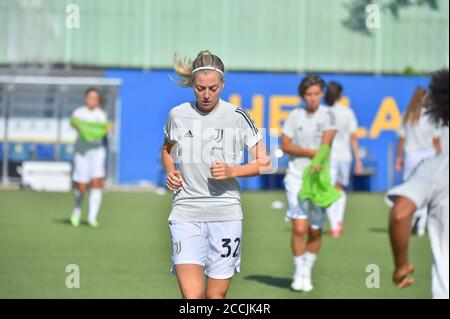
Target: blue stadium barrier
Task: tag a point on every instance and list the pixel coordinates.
(378, 102)
(19, 152)
(45, 152)
(67, 152)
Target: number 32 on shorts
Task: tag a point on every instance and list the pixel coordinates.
(226, 244)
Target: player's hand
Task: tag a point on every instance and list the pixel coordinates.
(221, 171)
(110, 127)
(173, 181)
(358, 168)
(401, 276)
(316, 168)
(399, 164)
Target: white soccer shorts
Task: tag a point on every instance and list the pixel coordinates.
(214, 245)
(413, 159)
(300, 209)
(340, 172)
(89, 166)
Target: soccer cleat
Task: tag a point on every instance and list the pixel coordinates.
(75, 221)
(93, 224)
(297, 283)
(307, 284)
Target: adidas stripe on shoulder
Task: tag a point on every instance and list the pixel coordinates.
(248, 119)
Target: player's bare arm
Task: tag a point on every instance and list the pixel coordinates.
(355, 147)
(260, 164)
(173, 179)
(437, 145)
(288, 146)
(399, 162)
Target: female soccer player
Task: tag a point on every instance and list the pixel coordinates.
(92, 126)
(344, 143)
(419, 138)
(201, 154)
(427, 186)
(304, 132)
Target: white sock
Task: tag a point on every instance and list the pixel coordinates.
(341, 204)
(76, 212)
(298, 263)
(308, 263)
(95, 201)
(332, 216)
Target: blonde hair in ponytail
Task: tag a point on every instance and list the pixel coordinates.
(184, 67)
(415, 106)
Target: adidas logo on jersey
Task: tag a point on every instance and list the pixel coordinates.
(189, 134)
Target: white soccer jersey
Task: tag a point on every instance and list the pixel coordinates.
(306, 131)
(419, 136)
(96, 115)
(428, 186)
(200, 140)
(346, 124)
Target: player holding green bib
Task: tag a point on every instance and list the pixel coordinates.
(92, 127)
(307, 136)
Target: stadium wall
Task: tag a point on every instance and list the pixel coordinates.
(147, 97)
(261, 35)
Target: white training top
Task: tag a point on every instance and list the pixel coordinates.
(96, 115)
(419, 136)
(346, 123)
(306, 131)
(201, 139)
(428, 186)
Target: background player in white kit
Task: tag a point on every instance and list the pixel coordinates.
(207, 138)
(303, 133)
(419, 138)
(344, 143)
(89, 160)
(428, 186)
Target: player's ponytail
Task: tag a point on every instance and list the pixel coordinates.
(415, 106)
(333, 93)
(205, 61)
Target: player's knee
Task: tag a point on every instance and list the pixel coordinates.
(396, 215)
(399, 213)
(82, 187)
(300, 232)
(97, 183)
(315, 234)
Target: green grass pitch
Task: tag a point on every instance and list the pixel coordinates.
(129, 255)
